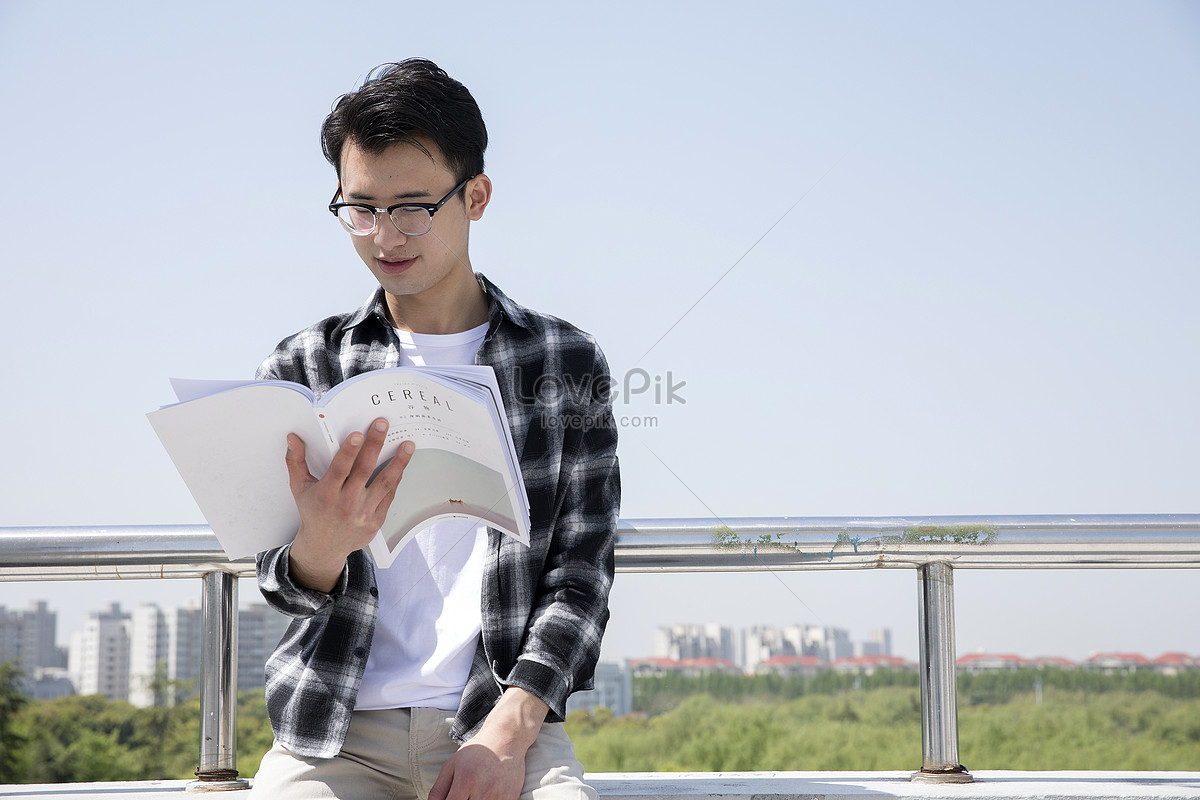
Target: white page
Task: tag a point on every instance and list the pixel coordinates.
(194, 388)
(457, 445)
(236, 472)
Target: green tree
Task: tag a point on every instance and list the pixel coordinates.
(12, 741)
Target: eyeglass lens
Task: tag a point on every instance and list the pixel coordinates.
(409, 221)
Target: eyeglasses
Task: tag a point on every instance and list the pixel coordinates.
(411, 219)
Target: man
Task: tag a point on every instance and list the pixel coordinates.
(446, 674)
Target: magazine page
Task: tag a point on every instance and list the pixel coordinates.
(500, 420)
(187, 389)
(482, 383)
(460, 469)
(229, 449)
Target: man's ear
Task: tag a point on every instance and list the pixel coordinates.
(477, 194)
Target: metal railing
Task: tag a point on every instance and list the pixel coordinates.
(933, 546)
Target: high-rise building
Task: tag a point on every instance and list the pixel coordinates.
(827, 642)
(27, 637)
(260, 628)
(819, 641)
(98, 661)
(681, 642)
(881, 637)
(613, 689)
(761, 642)
(164, 654)
(755, 644)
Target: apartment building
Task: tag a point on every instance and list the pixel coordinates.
(98, 655)
(164, 654)
(154, 655)
(27, 637)
(613, 689)
(260, 628)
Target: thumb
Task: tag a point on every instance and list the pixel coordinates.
(297, 467)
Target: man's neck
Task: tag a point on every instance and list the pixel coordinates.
(456, 304)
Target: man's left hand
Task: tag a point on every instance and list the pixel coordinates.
(491, 766)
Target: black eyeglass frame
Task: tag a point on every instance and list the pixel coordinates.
(431, 208)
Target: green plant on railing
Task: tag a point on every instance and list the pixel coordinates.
(725, 536)
(958, 534)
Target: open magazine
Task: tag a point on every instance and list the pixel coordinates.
(228, 439)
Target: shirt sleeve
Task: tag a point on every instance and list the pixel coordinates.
(284, 594)
(570, 608)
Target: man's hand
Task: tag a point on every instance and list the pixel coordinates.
(491, 766)
(340, 513)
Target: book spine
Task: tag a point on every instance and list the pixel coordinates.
(330, 441)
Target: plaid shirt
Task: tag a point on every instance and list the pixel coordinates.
(544, 606)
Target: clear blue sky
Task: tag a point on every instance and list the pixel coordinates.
(984, 302)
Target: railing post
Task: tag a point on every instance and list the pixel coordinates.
(939, 691)
(218, 689)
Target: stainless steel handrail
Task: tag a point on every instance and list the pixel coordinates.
(933, 546)
(684, 545)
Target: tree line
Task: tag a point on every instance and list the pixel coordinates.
(658, 694)
(880, 729)
(829, 721)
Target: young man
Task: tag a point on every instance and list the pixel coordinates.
(446, 674)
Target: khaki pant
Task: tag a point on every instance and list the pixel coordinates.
(396, 754)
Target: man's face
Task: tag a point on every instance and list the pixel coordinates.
(409, 265)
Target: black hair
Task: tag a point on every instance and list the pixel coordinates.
(399, 102)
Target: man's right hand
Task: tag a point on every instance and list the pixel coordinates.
(340, 513)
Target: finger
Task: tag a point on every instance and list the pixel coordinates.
(368, 455)
(297, 467)
(383, 488)
(441, 786)
(343, 459)
(389, 477)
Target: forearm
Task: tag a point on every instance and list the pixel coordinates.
(514, 722)
(312, 568)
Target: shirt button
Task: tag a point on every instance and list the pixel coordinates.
(374, 592)
(360, 652)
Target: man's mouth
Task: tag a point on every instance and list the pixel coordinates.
(394, 267)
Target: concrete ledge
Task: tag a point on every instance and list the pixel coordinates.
(992, 785)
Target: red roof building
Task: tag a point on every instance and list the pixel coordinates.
(867, 665)
(1175, 663)
(1117, 662)
(990, 662)
(1052, 661)
(688, 667)
(652, 666)
(790, 665)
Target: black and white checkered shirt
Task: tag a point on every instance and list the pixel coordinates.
(544, 606)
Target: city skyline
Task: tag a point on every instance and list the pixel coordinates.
(251, 627)
(151, 655)
(148, 655)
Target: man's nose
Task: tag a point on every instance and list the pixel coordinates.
(386, 232)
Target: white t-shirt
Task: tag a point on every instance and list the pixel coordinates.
(429, 598)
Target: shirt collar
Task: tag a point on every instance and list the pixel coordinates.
(499, 306)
